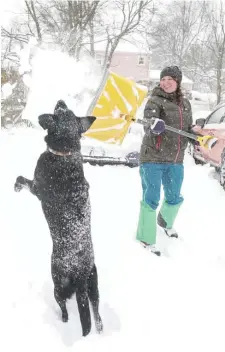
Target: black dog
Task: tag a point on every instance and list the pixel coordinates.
(60, 185)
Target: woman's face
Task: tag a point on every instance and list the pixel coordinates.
(168, 84)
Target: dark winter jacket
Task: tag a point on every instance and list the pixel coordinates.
(167, 147)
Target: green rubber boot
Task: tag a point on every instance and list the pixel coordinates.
(167, 216)
(146, 231)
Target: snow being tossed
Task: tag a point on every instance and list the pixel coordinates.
(54, 75)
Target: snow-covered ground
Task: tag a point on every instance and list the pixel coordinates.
(172, 303)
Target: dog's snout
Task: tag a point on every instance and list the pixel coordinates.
(60, 105)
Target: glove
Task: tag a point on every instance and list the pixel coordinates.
(193, 142)
(190, 140)
(157, 125)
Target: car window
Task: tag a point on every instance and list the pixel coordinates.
(223, 117)
(216, 116)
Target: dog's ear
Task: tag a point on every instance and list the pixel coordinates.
(46, 121)
(60, 105)
(86, 122)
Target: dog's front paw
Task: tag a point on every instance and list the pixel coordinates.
(17, 187)
(18, 184)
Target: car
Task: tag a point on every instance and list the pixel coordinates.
(213, 125)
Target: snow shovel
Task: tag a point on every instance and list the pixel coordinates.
(115, 105)
(207, 141)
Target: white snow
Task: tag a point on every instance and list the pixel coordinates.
(6, 90)
(56, 76)
(173, 303)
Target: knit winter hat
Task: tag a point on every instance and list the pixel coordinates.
(172, 71)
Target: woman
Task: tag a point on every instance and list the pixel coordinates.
(162, 156)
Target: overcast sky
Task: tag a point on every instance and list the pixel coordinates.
(10, 9)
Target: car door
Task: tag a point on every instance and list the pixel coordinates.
(215, 118)
(215, 126)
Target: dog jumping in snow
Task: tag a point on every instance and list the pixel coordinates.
(60, 185)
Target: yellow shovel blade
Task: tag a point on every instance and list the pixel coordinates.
(115, 108)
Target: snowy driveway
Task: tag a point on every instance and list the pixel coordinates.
(172, 303)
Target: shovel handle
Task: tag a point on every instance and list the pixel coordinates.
(203, 140)
(172, 129)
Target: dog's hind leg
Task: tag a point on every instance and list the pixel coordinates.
(93, 295)
(62, 303)
(60, 288)
(83, 307)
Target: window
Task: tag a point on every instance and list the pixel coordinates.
(141, 60)
(223, 118)
(216, 116)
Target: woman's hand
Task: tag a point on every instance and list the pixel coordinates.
(157, 126)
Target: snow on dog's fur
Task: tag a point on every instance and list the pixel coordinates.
(60, 185)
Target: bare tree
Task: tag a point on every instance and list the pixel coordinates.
(64, 23)
(18, 33)
(67, 22)
(75, 25)
(11, 38)
(177, 28)
(215, 43)
(125, 19)
(86, 12)
(207, 55)
(33, 13)
(191, 34)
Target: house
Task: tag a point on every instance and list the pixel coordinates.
(133, 61)
(128, 61)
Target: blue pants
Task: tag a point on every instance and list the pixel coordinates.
(169, 175)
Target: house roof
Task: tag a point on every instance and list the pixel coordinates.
(124, 46)
(155, 75)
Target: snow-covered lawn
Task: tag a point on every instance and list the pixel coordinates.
(172, 303)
